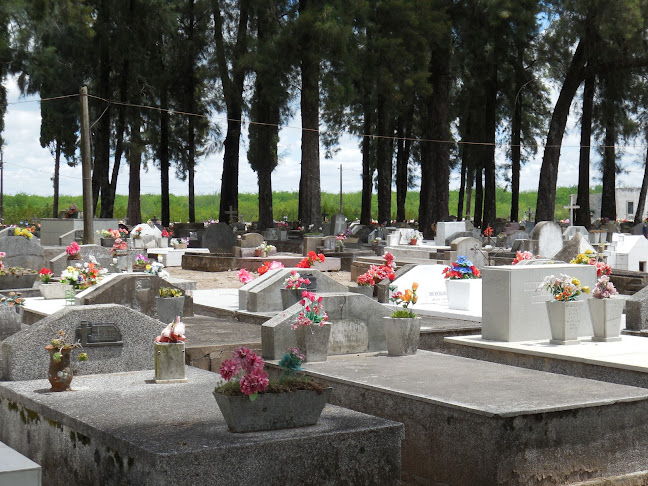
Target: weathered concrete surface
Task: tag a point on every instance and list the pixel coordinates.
(120, 429)
(23, 357)
(473, 422)
(357, 326)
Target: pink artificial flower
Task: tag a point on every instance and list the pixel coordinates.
(274, 265)
(229, 368)
(256, 381)
(245, 276)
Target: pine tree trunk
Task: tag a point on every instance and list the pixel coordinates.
(608, 196)
(266, 216)
(367, 173)
(57, 171)
(134, 157)
(516, 155)
(462, 189)
(164, 159)
(469, 183)
(119, 144)
(401, 171)
(546, 203)
(490, 127)
(383, 160)
(582, 215)
(641, 204)
(479, 197)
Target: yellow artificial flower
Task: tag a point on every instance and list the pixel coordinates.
(17, 232)
(585, 289)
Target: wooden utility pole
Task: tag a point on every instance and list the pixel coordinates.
(86, 163)
(341, 189)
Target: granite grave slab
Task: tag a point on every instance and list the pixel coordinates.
(219, 238)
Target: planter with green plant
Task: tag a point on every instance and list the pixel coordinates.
(403, 327)
(169, 303)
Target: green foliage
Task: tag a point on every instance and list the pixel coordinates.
(30, 208)
(403, 314)
(169, 292)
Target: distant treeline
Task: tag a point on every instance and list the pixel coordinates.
(28, 208)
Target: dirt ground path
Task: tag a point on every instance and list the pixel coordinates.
(229, 279)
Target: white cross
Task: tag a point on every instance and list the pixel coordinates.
(571, 207)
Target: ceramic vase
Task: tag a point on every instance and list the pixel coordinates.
(60, 372)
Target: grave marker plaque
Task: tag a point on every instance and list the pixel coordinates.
(98, 334)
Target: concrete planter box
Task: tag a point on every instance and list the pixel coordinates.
(606, 318)
(272, 411)
(402, 335)
(180, 246)
(169, 362)
(313, 341)
(137, 242)
(564, 319)
(17, 281)
(163, 242)
(169, 307)
(54, 290)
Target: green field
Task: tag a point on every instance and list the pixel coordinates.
(23, 207)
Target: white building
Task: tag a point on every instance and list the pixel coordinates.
(626, 203)
(628, 252)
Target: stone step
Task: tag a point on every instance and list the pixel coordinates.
(16, 469)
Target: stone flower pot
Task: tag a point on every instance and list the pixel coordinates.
(138, 242)
(402, 335)
(180, 246)
(107, 242)
(564, 319)
(290, 297)
(169, 307)
(260, 253)
(54, 290)
(606, 318)
(17, 281)
(169, 362)
(272, 411)
(458, 291)
(163, 242)
(313, 341)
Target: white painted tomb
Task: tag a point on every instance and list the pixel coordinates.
(629, 252)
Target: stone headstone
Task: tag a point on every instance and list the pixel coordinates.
(251, 240)
(638, 229)
(570, 231)
(432, 288)
(100, 253)
(363, 234)
(273, 234)
(263, 294)
(473, 233)
(470, 248)
(9, 322)
(22, 252)
(513, 309)
(549, 237)
(136, 291)
(357, 326)
(354, 228)
(511, 227)
(515, 235)
(578, 244)
(22, 356)
(219, 238)
(330, 243)
(147, 230)
(338, 224)
(446, 229)
(636, 311)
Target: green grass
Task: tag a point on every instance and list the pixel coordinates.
(24, 207)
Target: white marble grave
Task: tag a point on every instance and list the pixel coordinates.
(172, 257)
(16, 469)
(512, 307)
(446, 229)
(630, 252)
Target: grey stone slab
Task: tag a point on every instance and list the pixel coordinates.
(357, 326)
(136, 291)
(577, 244)
(273, 234)
(119, 429)
(469, 247)
(445, 229)
(263, 294)
(251, 240)
(549, 237)
(330, 242)
(23, 357)
(474, 422)
(338, 224)
(22, 252)
(637, 311)
(9, 322)
(515, 235)
(219, 237)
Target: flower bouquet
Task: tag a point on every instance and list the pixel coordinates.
(522, 255)
(564, 311)
(296, 281)
(462, 268)
(405, 299)
(564, 288)
(403, 328)
(460, 277)
(60, 372)
(45, 275)
(605, 311)
(310, 260)
(73, 251)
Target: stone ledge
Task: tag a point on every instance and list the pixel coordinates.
(168, 438)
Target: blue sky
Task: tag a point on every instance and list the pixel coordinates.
(29, 168)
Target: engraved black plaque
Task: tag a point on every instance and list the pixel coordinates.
(98, 334)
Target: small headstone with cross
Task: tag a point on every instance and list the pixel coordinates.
(571, 207)
(231, 214)
(529, 214)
